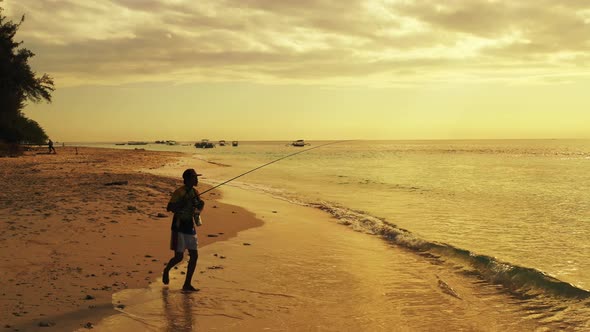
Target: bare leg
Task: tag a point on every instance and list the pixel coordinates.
(190, 270)
(173, 261)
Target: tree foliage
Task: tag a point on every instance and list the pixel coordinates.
(19, 84)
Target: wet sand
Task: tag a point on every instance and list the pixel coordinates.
(68, 241)
(302, 271)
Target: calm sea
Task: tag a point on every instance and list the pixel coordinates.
(520, 208)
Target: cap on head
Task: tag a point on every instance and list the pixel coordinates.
(190, 173)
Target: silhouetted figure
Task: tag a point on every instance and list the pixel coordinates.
(51, 148)
(187, 206)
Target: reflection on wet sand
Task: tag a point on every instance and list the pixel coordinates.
(178, 310)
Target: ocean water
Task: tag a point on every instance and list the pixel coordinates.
(515, 212)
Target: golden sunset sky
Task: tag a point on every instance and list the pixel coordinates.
(283, 70)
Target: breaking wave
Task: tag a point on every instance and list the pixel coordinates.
(517, 279)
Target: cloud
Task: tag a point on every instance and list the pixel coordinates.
(306, 41)
(539, 27)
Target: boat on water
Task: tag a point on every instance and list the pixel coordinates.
(166, 142)
(299, 142)
(222, 142)
(136, 143)
(204, 144)
(234, 143)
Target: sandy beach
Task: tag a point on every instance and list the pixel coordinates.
(77, 251)
(364, 165)
(69, 241)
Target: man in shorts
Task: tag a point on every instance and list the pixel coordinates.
(186, 205)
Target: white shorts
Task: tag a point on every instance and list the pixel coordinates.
(179, 242)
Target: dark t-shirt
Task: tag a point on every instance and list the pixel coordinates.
(183, 218)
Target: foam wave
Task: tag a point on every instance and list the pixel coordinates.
(524, 281)
(517, 279)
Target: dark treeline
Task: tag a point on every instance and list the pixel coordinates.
(19, 84)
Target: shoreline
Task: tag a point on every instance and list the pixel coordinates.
(519, 279)
(303, 265)
(69, 241)
(303, 271)
(294, 252)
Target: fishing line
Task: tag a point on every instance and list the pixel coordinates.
(272, 162)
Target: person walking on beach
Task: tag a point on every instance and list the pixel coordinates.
(186, 205)
(51, 148)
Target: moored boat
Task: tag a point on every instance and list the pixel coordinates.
(204, 144)
(299, 142)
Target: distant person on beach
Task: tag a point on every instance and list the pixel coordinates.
(51, 148)
(187, 206)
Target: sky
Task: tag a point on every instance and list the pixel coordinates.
(319, 70)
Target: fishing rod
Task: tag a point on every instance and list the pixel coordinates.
(272, 162)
